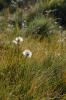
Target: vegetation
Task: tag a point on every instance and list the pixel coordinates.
(39, 27)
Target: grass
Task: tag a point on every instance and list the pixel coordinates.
(41, 77)
(32, 82)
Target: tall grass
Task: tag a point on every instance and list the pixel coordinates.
(43, 76)
(33, 82)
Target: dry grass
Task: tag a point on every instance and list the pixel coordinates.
(40, 49)
(41, 77)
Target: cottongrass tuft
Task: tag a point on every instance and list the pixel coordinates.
(18, 40)
(27, 53)
(14, 41)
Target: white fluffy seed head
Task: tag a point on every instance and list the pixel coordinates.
(19, 39)
(15, 42)
(27, 53)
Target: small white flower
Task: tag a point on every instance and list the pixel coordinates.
(27, 53)
(19, 39)
(15, 42)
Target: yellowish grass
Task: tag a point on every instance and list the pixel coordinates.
(40, 49)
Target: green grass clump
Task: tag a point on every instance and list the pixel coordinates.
(41, 26)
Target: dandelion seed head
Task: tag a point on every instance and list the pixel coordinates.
(15, 42)
(19, 39)
(27, 53)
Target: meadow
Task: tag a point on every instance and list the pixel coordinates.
(39, 73)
